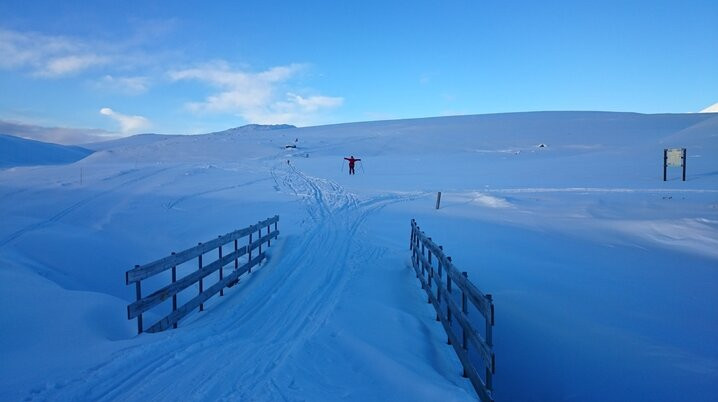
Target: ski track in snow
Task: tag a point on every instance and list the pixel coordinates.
(173, 204)
(243, 353)
(77, 205)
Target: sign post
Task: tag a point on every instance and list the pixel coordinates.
(674, 157)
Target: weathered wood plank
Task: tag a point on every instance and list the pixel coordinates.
(163, 264)
(146, 303)
(172, 289)
(481, 390)
(475, 295)
(175, 316)
(475, 338)
(263, 239)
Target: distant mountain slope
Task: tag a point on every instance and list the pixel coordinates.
(135, 140)
(255, 127)
(16, 151)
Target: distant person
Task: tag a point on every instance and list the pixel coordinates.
(352, 161)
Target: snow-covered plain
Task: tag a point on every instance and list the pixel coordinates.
(605, 278)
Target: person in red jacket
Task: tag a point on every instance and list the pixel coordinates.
(352, 161)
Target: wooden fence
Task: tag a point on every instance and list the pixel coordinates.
(140, 273)
(458, 310)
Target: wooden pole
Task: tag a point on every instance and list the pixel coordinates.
(438, 293)
(269, 239)
(138, 294)
(201, 284)
(259, 237)
(665, 163)
(421, 262)
(221, 270)
(236, 259)
(411, 238)
(430, 272)
(249, 252)
(490, 343)
(448, 308)
(465, 310)
(174, 296)
(438, 199)
(684, 164)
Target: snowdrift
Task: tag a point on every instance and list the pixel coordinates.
(603, 276)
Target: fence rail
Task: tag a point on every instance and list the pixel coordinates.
(140, 273)
(452, 306)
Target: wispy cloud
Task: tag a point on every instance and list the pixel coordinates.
(48, 56)
(123, 85)
(128, 124)
(257, 97)
(57, 135)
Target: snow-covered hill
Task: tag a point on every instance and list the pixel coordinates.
(16, 151)
(604, 276)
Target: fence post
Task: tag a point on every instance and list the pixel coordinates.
(438, 199)
(236, 258)
(438, 293)
(249, 252)
(448, 306)
(221, 269)
(490, 343)
(201, 284)
(174, 296)
(411, 241)
(259, 237)
(464, 310)
(138, 294)
(269, 239)
(430, 274)
(421, 263)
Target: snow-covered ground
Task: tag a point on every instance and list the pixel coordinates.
(605, 278)
(16, 151)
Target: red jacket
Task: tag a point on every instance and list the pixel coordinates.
(352, 160)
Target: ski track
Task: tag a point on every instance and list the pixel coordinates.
(74, 207)
(240, 356)
(173, 204)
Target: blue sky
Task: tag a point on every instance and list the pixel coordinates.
(189, 67)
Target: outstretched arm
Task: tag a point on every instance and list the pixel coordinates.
(358, 160)
(347, 158)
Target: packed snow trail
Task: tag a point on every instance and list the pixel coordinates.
(236, 349)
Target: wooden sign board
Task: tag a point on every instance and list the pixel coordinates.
(674, 157)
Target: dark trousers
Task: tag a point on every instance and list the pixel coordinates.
(351, 169)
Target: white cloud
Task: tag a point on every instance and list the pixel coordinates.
(256, 96)
(128, 124)
(48, 56)
(125, 85)
(71, 64)
(710, 109)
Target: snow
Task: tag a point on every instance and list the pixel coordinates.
(604, 277)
